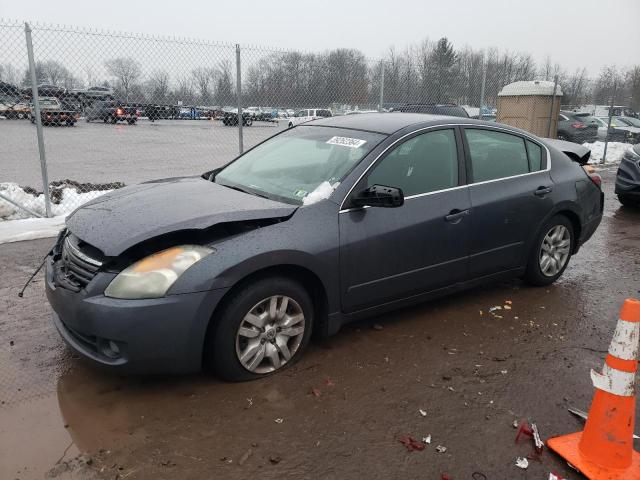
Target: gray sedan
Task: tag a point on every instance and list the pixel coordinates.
(317, 226)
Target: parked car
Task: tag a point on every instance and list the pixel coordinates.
(315, 227)
(573, 127)
(20, 110)
(615, 134)
(632, 125)
(98, 93)
(633, 133)
(47, 90)
(449, 109)
(52, 112)
(308, 114)
(110, 111)
(230, 118)
(628, 178)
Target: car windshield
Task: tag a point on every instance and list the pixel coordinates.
(300, 164)
(633, 122)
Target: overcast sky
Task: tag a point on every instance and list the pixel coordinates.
(573, 32)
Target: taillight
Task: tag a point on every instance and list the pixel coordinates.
(119, 112)
(578, 125)
(596, 179)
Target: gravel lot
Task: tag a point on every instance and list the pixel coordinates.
(473, 374)
(101, 153)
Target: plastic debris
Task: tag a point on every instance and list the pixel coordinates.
(279, 420)
(427, 439)
(315, 392)
(422, 412)
(507, 307)
(441, 449)
(515, 424)
(493, 309)
(522, 463)
(508, 302)
(329, 383)
(411, 444)
(555, 476)
(504, 372)
(530, 431)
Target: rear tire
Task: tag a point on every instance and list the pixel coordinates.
(547, 260)
(225, 345)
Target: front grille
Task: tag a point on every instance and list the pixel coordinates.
(77, 266)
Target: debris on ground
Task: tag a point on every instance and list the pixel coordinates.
(555, 476)
(329, 383)
(495, 308)
(427, 439)
(274, 459)
(530, 431)
(515, 424)
(245, 457)
(445, 476)
(441, 449)
(315, 392)
(411, 444)
(422, 412)
(522, 463)
(377, 326)
(279, 420)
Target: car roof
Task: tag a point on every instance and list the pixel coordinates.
(389, 123)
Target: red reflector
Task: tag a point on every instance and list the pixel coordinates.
(578, 125)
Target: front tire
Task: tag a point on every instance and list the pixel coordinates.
(260, 330)
(628, 201)
(551, 252)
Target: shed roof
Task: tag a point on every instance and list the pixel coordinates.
(530, 88)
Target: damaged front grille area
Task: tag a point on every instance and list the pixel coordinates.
(77, 265)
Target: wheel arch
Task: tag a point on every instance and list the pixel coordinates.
(303, 275)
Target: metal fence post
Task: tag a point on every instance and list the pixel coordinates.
(606, 137)
(553, 101)
(380, 107)
(239, 97)
(484, 82)
(38, 119)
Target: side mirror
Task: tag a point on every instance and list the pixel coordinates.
(379, 196)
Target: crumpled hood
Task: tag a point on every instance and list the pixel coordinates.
(123, 218)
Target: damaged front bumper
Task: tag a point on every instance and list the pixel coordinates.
(160, 335)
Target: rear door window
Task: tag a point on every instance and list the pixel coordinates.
(495, 154)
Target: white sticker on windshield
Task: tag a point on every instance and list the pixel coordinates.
(346, 142)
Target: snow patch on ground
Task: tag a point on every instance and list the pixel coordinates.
(322, 192)
(615, 151)
(70, 200)
(30, 229)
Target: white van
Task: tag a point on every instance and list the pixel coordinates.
(308, 114)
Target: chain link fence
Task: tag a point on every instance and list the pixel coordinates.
(104, 109)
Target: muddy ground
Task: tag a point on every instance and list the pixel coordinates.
(339, 412)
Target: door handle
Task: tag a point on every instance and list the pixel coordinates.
(542, 191)
(456, 215)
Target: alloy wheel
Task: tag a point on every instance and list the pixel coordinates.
(554, 251)
(270, 334)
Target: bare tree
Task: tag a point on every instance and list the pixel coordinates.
(159, 85)
(203, 77)
(126, 71)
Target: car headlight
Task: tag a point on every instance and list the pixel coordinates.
(152, 276)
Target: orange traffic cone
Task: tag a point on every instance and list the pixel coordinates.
(604, 450)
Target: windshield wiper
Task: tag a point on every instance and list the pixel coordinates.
(234, 187)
